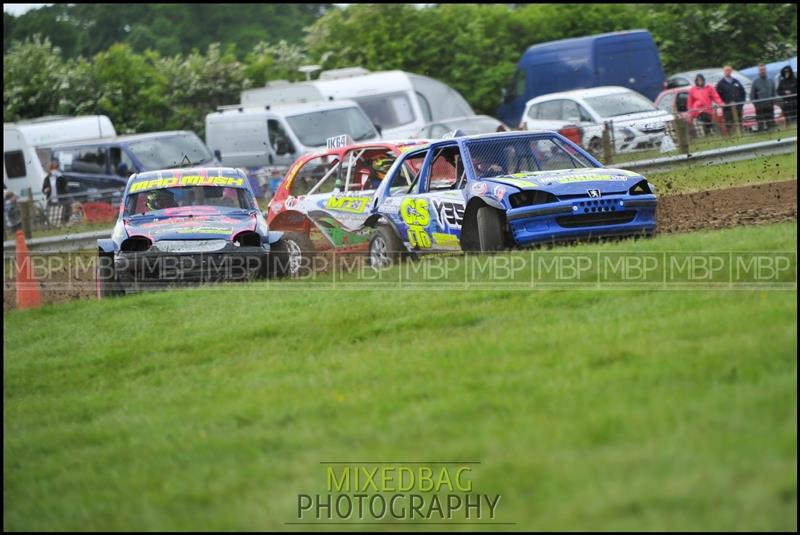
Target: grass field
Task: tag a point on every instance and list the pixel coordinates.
(213, 408)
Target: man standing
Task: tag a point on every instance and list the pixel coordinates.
(55, 185)
(763, 95)
(787, 88)
(732, 93)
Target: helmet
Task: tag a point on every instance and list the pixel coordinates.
(159, 199)
(381, 165)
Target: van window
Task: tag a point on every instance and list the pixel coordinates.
(15, 163)
(121, 163)
(312, 129)
(90, 160)
(426, 107)
(164, 152)
(388, 111)
(517, 86)
(276, 133)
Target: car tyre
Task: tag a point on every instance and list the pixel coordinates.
(278, 260)
(385, 247)
(106, 277)
(301, 252)
(491, 235)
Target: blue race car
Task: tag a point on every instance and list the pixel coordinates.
(188, 225)
(492, 191)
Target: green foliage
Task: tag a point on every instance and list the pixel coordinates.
(168, 72)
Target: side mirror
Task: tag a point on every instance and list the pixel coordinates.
(378, 128)
(218, 155)
(281, 147)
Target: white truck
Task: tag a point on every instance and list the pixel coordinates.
(26, 147)
(398, 102)
(276, 134)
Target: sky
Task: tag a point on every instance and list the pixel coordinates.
(19, 9)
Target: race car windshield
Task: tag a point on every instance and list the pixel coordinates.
(523, 154)
(313, 129)
(155, 200)
(170, 151)
(620, 104)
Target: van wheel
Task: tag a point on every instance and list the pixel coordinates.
(385, 247)
(491, 235)
(301, 253)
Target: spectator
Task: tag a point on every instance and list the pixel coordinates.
(788, 86)
(700, 103)
(55, 185)
(763, 94)
(13, 217)
(732, 93)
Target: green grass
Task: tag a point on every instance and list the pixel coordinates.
(213, 408)
(699, 178)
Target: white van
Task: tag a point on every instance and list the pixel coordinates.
(26, 147)
(276, 135)
(399, 102)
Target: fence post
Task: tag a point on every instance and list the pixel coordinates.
(682, 132)
(25, 212)
(735, 115)
(607, 153)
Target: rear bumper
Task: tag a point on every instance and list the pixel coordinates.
(619, 215)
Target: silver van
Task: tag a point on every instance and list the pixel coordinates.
(276, 135)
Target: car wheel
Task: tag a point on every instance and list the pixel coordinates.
(595, 148)
(385, 247)
(278, 260)
(106, 284)
(491, 235)
(301, 252)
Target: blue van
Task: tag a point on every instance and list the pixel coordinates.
(628, 59)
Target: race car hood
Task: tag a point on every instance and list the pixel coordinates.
(177, 225)
(571, 181)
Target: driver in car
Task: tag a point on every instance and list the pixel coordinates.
(160, 199)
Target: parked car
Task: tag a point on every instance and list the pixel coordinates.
(471, 124)
(628, 59)
(27, 147)
(676, 100)
(773, 69)
(492, 191)
(186, 226)
(106, 164)
(398, 102)
(712, 76)
(637, 123)
(275, 135)
(323, 200)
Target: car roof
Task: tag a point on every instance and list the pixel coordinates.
(130, 138)
(583, 93)
(490, 135)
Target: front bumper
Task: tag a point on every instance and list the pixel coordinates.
(157, 267)
(583, 218)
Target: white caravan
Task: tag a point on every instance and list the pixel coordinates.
(399, 102)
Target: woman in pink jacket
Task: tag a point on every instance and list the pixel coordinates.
(701, 97)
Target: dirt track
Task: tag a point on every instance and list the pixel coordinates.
(771, 202)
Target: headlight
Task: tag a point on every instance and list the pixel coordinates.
(531, 198)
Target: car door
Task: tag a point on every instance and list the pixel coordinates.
(432, 214)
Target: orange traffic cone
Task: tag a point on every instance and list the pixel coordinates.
(29, 294)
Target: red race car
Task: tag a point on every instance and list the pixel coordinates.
(323, 201)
